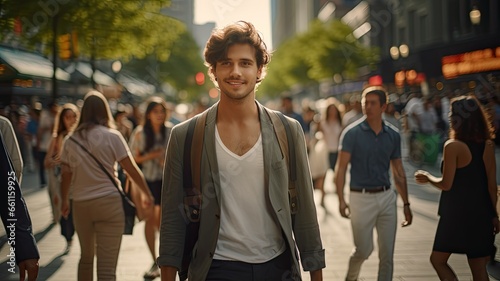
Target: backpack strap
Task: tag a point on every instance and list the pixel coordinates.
(283, 132)
(193, 147)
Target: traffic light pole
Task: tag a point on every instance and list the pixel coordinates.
(55, 19)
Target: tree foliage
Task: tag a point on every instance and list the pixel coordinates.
(157, 48)
(178, 70)
(106, 29)
(318, 54)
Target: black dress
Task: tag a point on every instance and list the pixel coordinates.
(466, 211)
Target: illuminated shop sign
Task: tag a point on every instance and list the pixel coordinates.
(471, 62)
(408, 77)
(26, 83)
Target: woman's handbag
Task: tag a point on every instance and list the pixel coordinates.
(128, 205)
(130, 212)
(142, 212)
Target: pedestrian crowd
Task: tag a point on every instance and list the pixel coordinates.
(230, 190)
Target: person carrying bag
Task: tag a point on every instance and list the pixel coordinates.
(97, 208)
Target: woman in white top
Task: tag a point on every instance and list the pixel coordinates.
(65, 122)
(97, 205)
(331, 128)
(148, 145)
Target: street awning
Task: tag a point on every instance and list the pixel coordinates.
(104, 83)
(85, 69)
(31, 64)
(136, 86)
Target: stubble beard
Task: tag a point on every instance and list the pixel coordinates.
(236, 96)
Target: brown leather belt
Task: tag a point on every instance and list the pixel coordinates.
(375, 189)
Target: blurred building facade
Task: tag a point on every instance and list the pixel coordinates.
(442, 44)
(451, 43)
(290, 17)
(183, 10)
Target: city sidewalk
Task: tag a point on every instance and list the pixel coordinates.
(133, 261)
(413, 243)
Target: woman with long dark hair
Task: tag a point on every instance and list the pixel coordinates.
(148, 145)
(468, 218)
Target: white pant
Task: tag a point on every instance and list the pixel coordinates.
(369, 211)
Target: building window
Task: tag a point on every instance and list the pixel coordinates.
(411, 28)
(454, 19)
(401, 35)
(423, 29)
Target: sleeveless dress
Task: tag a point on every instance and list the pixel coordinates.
(466, 211)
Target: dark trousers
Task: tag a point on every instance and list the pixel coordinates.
(277, 269)
(332, 159)
(41, 167)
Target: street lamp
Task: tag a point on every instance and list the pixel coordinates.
(475, 16)
(394, 51)
(403, 51)
(116, 66)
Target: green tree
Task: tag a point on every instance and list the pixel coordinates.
(178, 69)
(106, 29)
(318, 54)
(160, 46)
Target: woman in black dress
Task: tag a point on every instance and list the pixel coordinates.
(468, 219)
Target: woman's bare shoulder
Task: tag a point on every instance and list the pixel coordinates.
(454, 144)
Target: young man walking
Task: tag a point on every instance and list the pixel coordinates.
(246, 230)
(372, 147)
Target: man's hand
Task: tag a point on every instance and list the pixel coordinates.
(408, 216)
(316, 275)
(31, 266)
(496, 226)
(168, 273)
(344, 210)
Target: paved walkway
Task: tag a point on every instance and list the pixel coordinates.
(134, 257)
(413, 244)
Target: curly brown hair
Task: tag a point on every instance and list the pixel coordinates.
(469, 121)
(241, 32)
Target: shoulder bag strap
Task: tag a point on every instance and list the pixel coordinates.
(103, 169)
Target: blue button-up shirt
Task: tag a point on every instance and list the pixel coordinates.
(370, 153)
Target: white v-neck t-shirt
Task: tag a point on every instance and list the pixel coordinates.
(249, 229)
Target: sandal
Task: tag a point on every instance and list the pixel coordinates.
(152, 273)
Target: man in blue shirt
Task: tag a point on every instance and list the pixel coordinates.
(372, 147)
(287, 109)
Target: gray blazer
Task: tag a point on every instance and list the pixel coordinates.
(172, 231)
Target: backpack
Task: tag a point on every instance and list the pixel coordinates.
(193, 146)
